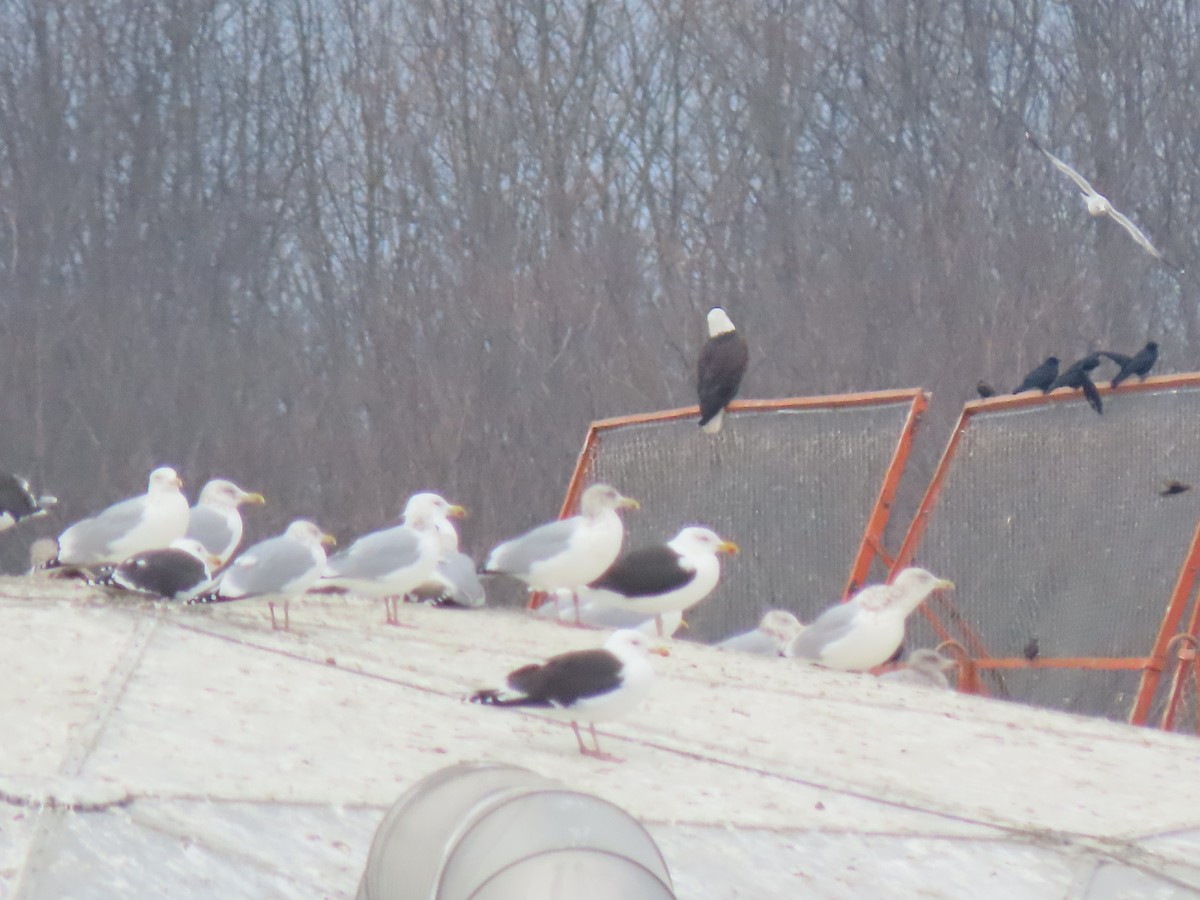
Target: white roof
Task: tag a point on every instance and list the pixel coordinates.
(219, 758)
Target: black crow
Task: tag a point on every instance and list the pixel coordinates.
(1040, 378)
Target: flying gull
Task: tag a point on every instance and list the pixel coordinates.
(568, 553)
(864, 632)
(584, 685)
(775, 630)
(141, 523)
(179, 572)
(394, 561)
(1097, 204)
(923, 668)
(215, 520)
(278, 568)
(1139, 364)
(664, 577)
(1041, 377)
(719, 371)
(454, 582)
(17, 501)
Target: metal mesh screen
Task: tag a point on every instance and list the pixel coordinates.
(794, 487)
(1050, 521)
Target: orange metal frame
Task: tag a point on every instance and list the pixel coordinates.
(871, 544)
(1152, 666)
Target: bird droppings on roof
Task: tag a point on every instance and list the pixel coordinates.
(220, 758)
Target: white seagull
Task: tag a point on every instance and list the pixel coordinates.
(1097, 204)
(923, 668)
(455, 580)
(145, 522)
(584, 685)
(671, 577)
(281, 567)
(775, 630)
(215, 520)
(569, 553)
(864, 632)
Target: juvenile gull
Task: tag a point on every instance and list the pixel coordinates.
(864, 632)
(923, 668)
(215, 520)
(17, 501)
(671, 577)
(719, 370)
(568, 553)
(278, 568)
(775, 630)
(394, 561)
(181, 571)
(1097, 204)
(145, 522)
(584, 685)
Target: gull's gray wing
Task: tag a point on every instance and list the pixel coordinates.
(1080, 182)
(755, 642)
(1136, 233)
(93, 537)
(518, 556)
(210, 528)
(832, 625)
(268, 567)
(376, 554)
(458, 570)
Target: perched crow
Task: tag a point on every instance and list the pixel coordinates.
(1079, 379)
(985, 390)
(1041, 378)
(1171, 487)
(1139, 364)
(1031, 650)
(1072, 372)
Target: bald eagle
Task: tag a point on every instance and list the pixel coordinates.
(719, 373)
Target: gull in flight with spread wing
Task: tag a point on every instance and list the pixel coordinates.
(1097, 204)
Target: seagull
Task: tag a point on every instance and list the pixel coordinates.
(664, 577)
(864, 632)
(215, 520)
(610, 618)
(568, 553)
(584, 685)
(17, 501)
(281, 567)
(1097, 204)
(1041, 377)
(179, 572)
(775, 630)
(394, 561)
(145, 522)
(1139, 364)
(923, 668)
(719, 371)
(454, 582)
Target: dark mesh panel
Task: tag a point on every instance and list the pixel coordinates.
(1051, 524)
(793, 488)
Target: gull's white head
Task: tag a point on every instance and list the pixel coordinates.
(780, 625)
(600, 498)
(427, 509)
(630, 645)
(227, 495)
(913, 585)
(719, 322)
(309, 534)
(164, 479)
(697, 540)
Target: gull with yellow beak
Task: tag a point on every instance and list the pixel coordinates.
(664, 578)
(279, 568)
(216, 522)
(392, 562)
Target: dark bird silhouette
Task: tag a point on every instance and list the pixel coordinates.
(1171, 487)
(719, 371)
(1139, 364)
(1031, 650)
(1040, 378)
(985, 390)
(1076, 376)
(17, 501)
